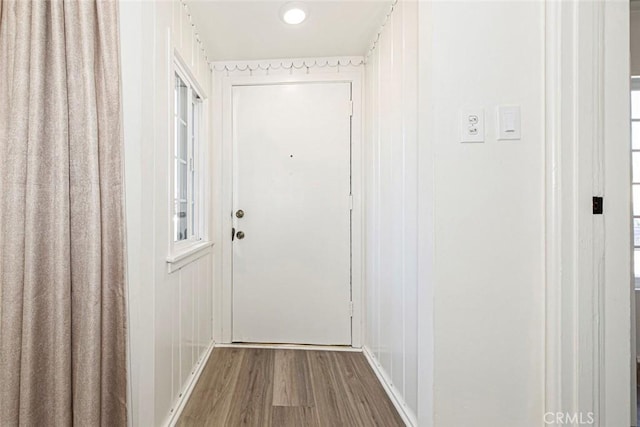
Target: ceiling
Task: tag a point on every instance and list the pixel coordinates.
(244, 30)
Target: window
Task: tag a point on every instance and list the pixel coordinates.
(187, 194)
(635, 175)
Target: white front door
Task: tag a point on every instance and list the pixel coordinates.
(292, 181)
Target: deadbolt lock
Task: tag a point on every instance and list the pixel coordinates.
(239, 213)
(240, 235)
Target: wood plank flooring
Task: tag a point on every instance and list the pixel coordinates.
(264, 387)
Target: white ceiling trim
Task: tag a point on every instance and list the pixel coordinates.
(276, 64)
(379, 33)
(196, 34)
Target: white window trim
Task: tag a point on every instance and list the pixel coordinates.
(635, 87)
(181, 253)
(195, 251)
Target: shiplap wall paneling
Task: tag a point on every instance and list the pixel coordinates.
(410, 223)
(166, 314)
(187, 278)
(176, 379)
(391, 204)
(171, 312)
(204, 301)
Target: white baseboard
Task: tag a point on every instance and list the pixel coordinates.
(182, 401)
(293, 347)
(398, 401)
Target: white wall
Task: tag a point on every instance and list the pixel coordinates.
(488, 211)
(170, 319)
(480, 216)
(391, 198)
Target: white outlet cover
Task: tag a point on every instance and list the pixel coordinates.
(471, 125)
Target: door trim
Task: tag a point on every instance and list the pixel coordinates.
(588, 280)
(224, 314)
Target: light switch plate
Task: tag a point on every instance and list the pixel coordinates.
(508, 122)
(471, 124)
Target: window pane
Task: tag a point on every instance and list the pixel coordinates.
(184, 140)
(183, 103)
(636, 263)
(636, 233)
(182, 180)
(192, 173)
(635, 104)
(181, 98)
(176, 180)
(636, 199)
(194, 128)
(193, 218)
(180, 221)
(194, 198)
(194, 190)
(176, 134)
(636, 166)
(180, 101)
(635, 135)
(186, 201)
(176, 98)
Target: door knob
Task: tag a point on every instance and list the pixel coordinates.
(240, 235)
(239, 213)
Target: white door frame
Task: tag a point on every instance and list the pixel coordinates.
(588, 266)
(355, 78)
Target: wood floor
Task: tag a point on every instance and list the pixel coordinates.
(264, 387)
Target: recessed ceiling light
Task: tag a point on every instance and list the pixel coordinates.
(293, 13)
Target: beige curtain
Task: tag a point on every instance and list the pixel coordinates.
(62, 305)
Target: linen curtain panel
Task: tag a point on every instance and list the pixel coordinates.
(62, 259)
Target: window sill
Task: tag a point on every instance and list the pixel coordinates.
(178, 260)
